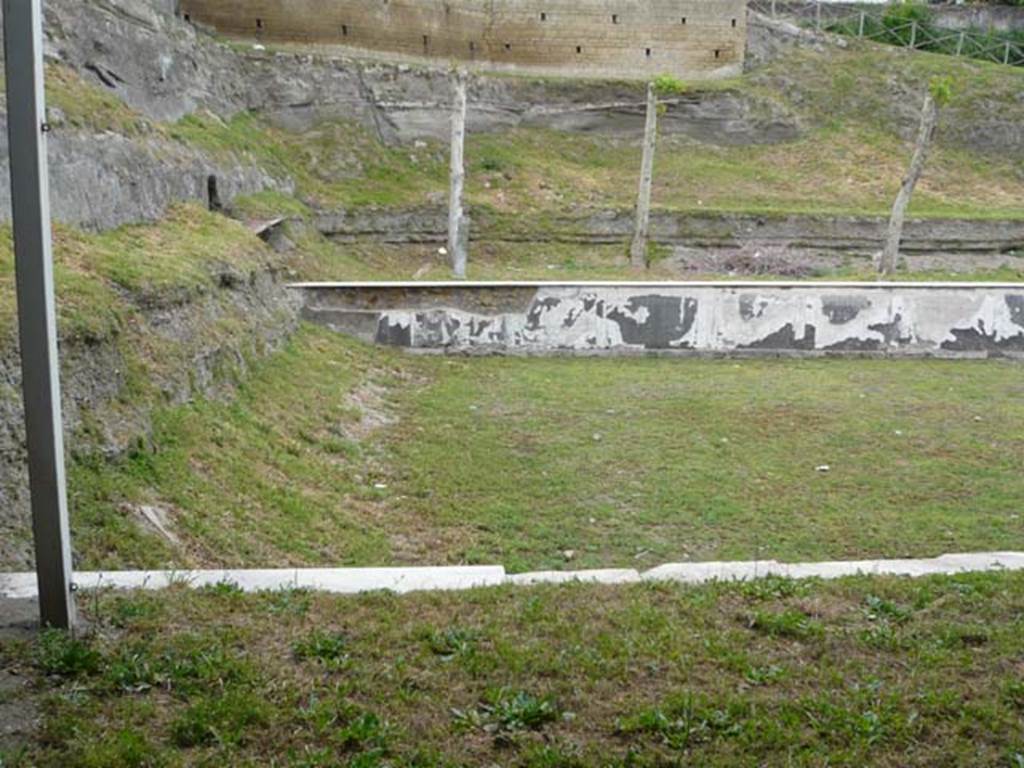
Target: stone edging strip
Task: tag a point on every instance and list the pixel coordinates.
(403, 580)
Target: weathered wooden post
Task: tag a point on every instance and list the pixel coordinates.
(913, 33)
(929, 119)
(638, 248)
(37, 321)
(1006, 55)
(860, 29)
(817, 16)
(960, 43)
(457, 243)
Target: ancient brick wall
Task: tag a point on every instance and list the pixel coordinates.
(599, 38)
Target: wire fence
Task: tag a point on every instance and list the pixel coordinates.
(904, 25)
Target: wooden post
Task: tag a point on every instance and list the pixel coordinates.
(960, 43)
(1006, 56)
(913, 33)
(638, 248)
(457, 245)
(817, 15)
(37, 320)
(773, 9)
(860, 30)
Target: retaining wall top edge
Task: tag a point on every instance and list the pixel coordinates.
(450, 284)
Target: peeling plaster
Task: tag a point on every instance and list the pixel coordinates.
(798, 318)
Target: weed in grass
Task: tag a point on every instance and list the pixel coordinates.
(772, 588)
(504, 712)
(551, 756)
(365, 732)
(294, 602)
(879, 609)
(132, 670)
(764, 675)
(452, 642)
(59, 654)
(127, 748)
(1013, 693)
(196, 663)
(687, 719)
(222, 719)
(788, 623)
(327, 648)
(224, 589)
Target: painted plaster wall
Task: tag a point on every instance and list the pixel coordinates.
(601, 38)
(742, 318)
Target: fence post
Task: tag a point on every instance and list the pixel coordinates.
(773, 9)
(817, 16)
(1006, 56)
(860, 29)
(960, 44)
(913, 33)
(37, 320)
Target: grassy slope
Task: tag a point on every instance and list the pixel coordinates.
(626, 462)
(878, 672)
(852, 105)
(100, 277)
(338, 261)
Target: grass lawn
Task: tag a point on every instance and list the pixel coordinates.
(335, 453)
(880, 672)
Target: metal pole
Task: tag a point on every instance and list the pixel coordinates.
(37, 323)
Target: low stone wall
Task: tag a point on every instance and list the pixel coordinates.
(950, 320)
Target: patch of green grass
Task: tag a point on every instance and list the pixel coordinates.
(793, 624)
(624, 462)
(637, 462)
(257, 479)
(87, 106)
(334, 165)
(325, 647)
(577, 675)
(58, 653)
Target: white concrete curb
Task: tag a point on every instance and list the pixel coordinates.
(337, 580)
(403, 580)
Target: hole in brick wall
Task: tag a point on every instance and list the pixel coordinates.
(615, 18)
(259, 23)
(648, 53)
(472, 47)
(734, 22)
(543, 17)
(426, 42)
(684, 20)
(344, 30)
(717, 53)
(188, 17)
(508, 46)
(579, 49)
